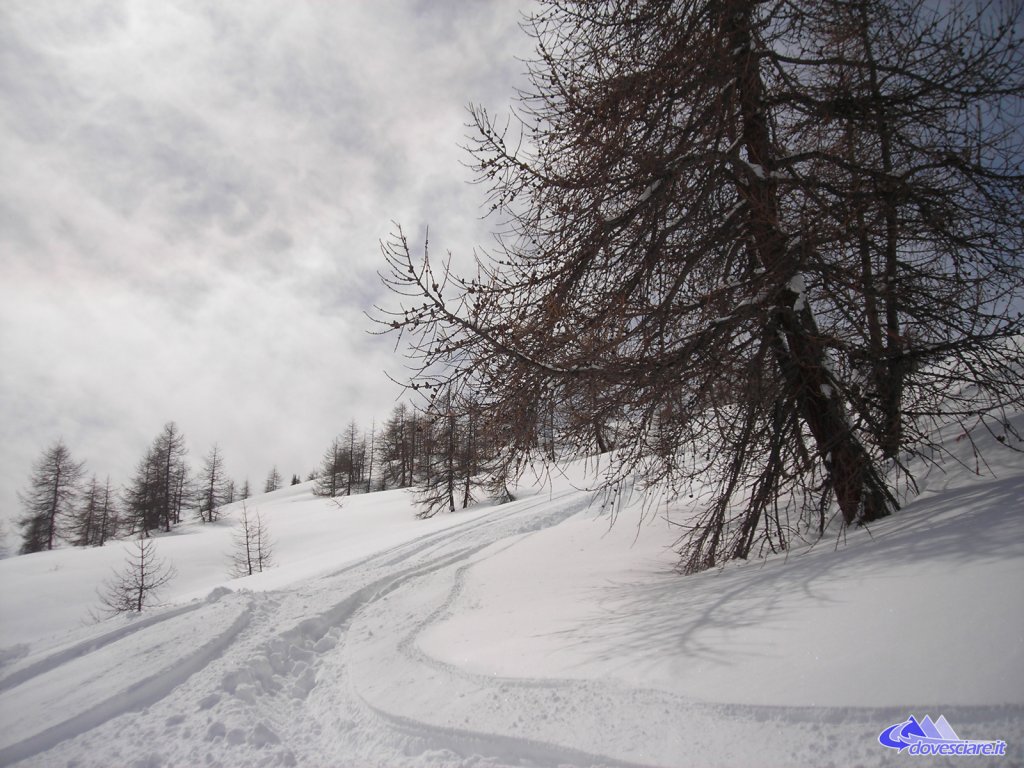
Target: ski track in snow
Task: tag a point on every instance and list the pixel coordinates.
(135, 695)
(91, 644)
(256, 715)
(580, 722)
(329, 674)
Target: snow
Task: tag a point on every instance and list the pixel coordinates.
(533, 633)
(799, 287)
(650, 190)
(644, 196)
(755, 168)
(574, 614)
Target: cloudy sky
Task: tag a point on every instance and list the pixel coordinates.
(191, 201)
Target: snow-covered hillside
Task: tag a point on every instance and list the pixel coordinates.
(527, 634)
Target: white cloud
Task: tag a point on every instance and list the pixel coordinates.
(190, 212)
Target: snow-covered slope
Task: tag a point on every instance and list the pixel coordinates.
(527, 634)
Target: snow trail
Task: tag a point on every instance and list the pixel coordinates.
(89, 714)
(345, 668)
(23, 674)
(268, 664)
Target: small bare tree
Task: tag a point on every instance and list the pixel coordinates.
(50, 499)
(95, 520)
(329, 479)
(138, 582)
(253, 549)
(213, 486)
(273, 481)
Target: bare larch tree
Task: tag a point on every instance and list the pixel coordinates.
(138, 583)
(212, 486)
(49, 502)
(253, 551)
(772, 243)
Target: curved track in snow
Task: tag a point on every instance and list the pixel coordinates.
(329, 673)
(268, 682)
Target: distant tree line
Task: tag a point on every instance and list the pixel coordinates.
(62, 504)
(440, 449)
(445, 451)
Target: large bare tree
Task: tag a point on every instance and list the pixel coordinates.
(770, 242)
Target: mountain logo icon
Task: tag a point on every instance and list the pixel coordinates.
(935, 737)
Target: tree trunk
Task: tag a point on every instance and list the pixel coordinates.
(51, 532)
(859, 492)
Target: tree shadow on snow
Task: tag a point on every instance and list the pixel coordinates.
(738, 611)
